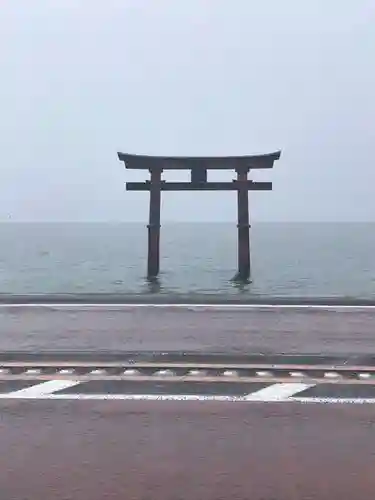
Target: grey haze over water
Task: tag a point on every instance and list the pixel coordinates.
(83, 79)
(288, 259)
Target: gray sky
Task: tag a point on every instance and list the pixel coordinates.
(83, 79)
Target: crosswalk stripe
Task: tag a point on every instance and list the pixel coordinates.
(276, 392)
(40, 390)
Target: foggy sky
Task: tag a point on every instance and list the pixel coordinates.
(83, 79)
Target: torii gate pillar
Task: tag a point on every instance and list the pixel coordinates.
(243, 226)
(153, 254)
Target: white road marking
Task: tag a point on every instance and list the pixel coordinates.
(230, 373)
(170, 397)
(282, 393)
(277, 392)
(197, 373)
(47, 394)
(146, 397)
(165, 373)
(191, 306)
(33, 371)
(331, 375)
(40, 391)
(126, 397)
(264, 374)
(358, 401)
(131, 373)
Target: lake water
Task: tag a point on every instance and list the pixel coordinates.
(304, 260)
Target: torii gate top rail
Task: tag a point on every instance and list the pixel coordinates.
(198, 167)
(144, 162)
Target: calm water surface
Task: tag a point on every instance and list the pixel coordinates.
(304, 260)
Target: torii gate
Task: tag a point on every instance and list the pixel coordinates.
(198, 167)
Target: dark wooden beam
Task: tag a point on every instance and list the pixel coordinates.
(153, 257)
(243, 226)
(198, 175)
(144, 162)
(204, 186)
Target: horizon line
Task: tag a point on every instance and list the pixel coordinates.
(67, 221)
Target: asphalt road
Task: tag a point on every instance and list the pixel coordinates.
(276, 330)
(171, 450)
(184, 450)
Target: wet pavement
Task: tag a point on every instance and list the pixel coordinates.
(181, 390)
(348, 332)
(185, 450)
(197, 449)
